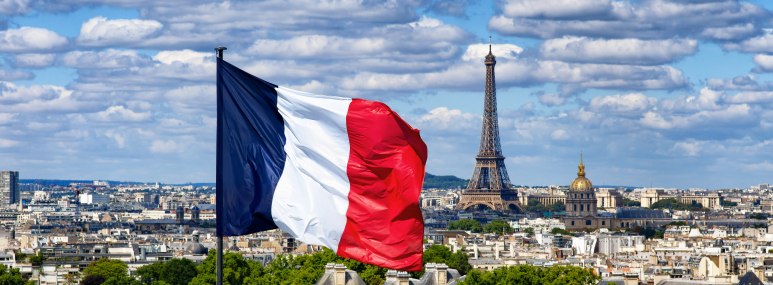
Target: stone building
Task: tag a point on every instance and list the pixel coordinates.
(651, 196)
(581, 204)
(582, 209)
(552, 196)
(608, 199)
(709, 200)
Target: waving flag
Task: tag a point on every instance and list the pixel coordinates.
(340, 172)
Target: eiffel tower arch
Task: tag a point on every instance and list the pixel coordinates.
(489, 186)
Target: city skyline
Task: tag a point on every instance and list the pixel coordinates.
(659, 93)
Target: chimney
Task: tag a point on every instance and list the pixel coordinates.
(391, 275)
(403, 278)
(631, 279)
(442, 275)
(340, 274)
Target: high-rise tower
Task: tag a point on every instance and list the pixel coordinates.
(9, 188)
(490, 185)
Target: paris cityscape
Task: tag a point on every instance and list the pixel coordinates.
(570, 142)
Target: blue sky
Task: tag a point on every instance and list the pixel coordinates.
(653, 92)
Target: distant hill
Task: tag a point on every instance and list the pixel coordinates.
(443, 181)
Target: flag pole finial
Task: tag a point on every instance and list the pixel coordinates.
(219, 51)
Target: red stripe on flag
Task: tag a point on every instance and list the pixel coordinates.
(384, 225)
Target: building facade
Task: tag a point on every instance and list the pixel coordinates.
(608, 199)
(582, 209)
(582, 205)
(9, 188)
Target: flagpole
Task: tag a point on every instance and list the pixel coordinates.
(219, 269)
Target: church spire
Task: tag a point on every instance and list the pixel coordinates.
(581, 167)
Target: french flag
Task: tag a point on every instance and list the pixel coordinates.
(339, 172)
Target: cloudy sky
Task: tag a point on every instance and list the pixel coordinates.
(669, 93)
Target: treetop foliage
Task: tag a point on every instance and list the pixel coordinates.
(674, 204)
(528, 274)
(302, 269)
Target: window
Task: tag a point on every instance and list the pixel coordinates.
(603, 223)
(587, 222)
(575, 207)
(581, 208)
(572, 223)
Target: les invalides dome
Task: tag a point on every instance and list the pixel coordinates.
(581, 183)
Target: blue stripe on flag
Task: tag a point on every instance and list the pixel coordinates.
(250, 151)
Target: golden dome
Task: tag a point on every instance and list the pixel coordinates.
(581, 184)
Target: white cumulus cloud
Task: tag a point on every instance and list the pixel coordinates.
(34, 60)
(185, 56)
(109, 58)
(626, 104)
(99, 31)
(30, 39)
(121, 114)
(764, 62)
(617, 51)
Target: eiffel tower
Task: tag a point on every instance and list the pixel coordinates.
(489, 185)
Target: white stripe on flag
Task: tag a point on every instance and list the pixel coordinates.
(311, 197)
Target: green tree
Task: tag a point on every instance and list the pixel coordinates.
(441, 254)
(677, 223)
(37, 260)
(107, 268)
(674, 204)
(151, 272)
(235, 269)
(122, 280)
(92, 280)
(466, 225)
(560, 231)
(498, 226)
(631, 203)
(529, 231)
(726, 203)
(557, 207)
(527, 274)
(173, 272)
(10, 276)
(758, 216)
(534, 206)
(650, 233)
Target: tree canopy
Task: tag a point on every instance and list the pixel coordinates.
(535, 206)
(528, 274)
(442, 254)
(631, 203)
(498, 226)
(178, 271)
(560, 231)
(10, 276)
(466, 225)
(302, 269)
(110, 270)
(674, 204)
